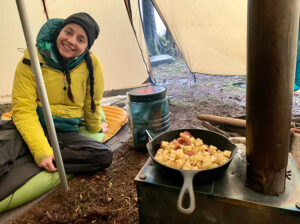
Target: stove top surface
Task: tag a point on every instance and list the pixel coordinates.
(231, 186)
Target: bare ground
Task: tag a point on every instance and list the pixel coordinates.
(110, 196)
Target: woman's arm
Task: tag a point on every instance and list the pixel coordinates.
(24, 102)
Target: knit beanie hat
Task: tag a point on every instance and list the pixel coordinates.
(89, 25)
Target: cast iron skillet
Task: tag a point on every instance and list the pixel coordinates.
(209, 138)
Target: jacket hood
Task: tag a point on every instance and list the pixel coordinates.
(46, 44)
(49, 30)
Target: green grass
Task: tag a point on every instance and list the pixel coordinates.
(204, 100)
(209, 84)
(173, 69)
(181, 103)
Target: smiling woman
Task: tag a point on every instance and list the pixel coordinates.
(74, 82)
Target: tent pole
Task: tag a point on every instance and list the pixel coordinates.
(42, 92)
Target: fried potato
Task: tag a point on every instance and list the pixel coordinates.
(190, 153)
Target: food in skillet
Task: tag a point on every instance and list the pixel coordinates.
(190, 153)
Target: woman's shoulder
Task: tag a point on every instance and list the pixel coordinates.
(95, 59)
(26, 58)
(93, 55)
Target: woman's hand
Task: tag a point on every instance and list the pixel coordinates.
(47, 164)
(104, 127)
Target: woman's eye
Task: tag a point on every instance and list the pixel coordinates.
(81, 40)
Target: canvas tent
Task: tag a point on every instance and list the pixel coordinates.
(116, 47)
(211, 35)
(219, 45)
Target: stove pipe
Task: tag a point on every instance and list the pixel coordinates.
(271, 59)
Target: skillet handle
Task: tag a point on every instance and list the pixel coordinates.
(187, 186)
(148, 135)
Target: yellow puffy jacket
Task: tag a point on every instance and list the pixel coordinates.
(25, 100)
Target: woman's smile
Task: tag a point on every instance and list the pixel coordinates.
(72, 41)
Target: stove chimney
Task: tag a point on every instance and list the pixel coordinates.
(271, 59)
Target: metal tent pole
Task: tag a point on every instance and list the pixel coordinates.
(42, 92)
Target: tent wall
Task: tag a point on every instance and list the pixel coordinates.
(12, 42)
(116, 45)
(138, 27)
(211, 35)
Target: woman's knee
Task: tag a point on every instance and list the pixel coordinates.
(108, 158)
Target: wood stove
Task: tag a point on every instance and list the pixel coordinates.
(225, 200)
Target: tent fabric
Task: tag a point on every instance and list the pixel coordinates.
(116, 47)
(138, 29)
(211, 35)
(13, 42)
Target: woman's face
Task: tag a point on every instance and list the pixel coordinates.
(72, 41)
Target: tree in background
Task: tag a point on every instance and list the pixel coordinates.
(150, 27)
(166, 45)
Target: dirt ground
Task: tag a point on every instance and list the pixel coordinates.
(110, 196)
